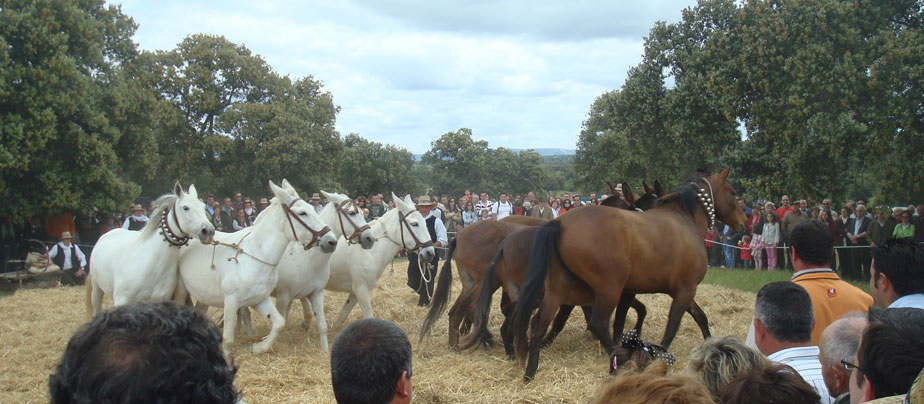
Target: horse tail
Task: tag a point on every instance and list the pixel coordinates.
(544, 245)
(479, 334)
(440, 295)
(88, 298)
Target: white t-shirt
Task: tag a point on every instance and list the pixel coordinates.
(502, 210)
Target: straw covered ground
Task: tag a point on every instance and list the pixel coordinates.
(37, 323)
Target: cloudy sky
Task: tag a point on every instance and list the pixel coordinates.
(520, 74)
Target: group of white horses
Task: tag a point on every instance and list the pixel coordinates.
(291, 252)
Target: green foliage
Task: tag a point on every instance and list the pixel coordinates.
(66, 107)
(370, 167)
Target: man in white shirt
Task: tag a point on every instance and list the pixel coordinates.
(423, 284)
(783, 322)
(502, 208)
(70, 259)
(484, 204)
(897, 274)
(137, 220)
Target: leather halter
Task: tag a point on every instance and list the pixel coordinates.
(357, 230)
(402, 221)
(315, 235)
(169, 236)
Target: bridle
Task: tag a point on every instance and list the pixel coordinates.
(357, 230)
(708, 202)
(169, 236)
(315, 235)
(402, 223)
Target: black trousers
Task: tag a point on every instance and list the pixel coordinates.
(423, 285)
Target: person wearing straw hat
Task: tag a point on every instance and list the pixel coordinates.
(70, 259)
(316, 202)
(422, 283)
(137, 220)
(263, 204)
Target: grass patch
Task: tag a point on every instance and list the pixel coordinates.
(752, 281)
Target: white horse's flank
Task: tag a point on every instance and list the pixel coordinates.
(140, 266)
(304, 273)
(357, 271)
(246, 275)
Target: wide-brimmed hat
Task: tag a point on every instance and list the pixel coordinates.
(315, 197)
(136, 207)
(66, 234)
(424, 200)
(263, 200)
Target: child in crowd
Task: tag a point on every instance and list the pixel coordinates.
(757, 250)
(485, 214)
(745, 245)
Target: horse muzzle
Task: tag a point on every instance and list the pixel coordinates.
(206, 234)
(327, 243)
(426, 254)
(366, 241)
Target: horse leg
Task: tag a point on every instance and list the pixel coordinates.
(267, 309)
(317, 307)
(559, 324)
(459, 311)
(622, 309)
(700, 317)
(540, 324)
(96, 297)
(364, 298)
(599, 321)
(306, 313)
(680, 304)
(345, 310)
(230, 320)
(640, 312)
(506, 336)
(243, 316)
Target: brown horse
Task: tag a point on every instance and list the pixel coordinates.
(509, 268)
(596, 256)
(474, 249)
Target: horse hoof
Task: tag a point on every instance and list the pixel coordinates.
(260, 348)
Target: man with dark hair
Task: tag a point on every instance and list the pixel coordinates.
(857, 230)
(840, 340)
(890, 356)
(897, 274)
(783, 322)
(142, 352)
(811, 247)
(370, 363)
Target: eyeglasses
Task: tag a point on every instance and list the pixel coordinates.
(849, 366)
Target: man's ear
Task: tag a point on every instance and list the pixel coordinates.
(869, 391)
(403, 388)
(759, 330)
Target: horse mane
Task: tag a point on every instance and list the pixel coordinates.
(161, 204)
(685, 195)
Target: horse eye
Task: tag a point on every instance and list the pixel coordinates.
(186, 208)
(415, 225)
(303, 214)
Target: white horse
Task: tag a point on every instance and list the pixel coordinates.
(242, 270)
(357, 271)
(133, 266)
(304, 273)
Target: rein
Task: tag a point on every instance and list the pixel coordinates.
(357, 230)
(708, 203)
(238, 251)
(315, 235)
(402, 221)
(169, 236)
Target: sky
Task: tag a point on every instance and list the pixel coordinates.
(519, 74)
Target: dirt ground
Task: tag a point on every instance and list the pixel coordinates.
(37, 323)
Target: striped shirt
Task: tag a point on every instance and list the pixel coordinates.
(805, 361)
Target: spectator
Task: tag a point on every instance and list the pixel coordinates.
(897, 274)
(556, 209)
(876, 233)
(209, 203)
(826, 205)
(469, 217)
(484, 204)
(771, 235)
(422, 283)
(576, 201)
(841, 240)
(70, 259)
(716, 362)
(890, 355)
(453, 217)
(377, 207)
(793, 218)
(145, 352)
(918, 222)
(502, 208)
(783, 322)
(240, 221)
(784, 208)
(227, 216)
(238, 202)
(772, 384)
(542, 210)
(263, 204)
(565, 206)
(651, 385)
(250, 212)
(316, 202)
(745, 245)
(137, 220)
(216, 217)
(856, 236)
(838, 341)
(370, 362)
(757, 245)
(815, 213)
(904, 228)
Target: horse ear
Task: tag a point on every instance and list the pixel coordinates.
(658, 188)
(287, 185)
(331, 197)
(192, 191)
(177, 188)
(280, 193)
(398, 201)
(725, 172)
(408, 200)
(648, 189)
(627, 192)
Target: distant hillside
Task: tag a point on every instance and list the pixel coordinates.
(542, 152)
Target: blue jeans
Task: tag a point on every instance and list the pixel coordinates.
(729, 256)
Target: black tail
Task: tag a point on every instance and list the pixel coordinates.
(545, 244)
(440, 295)
(479, 334)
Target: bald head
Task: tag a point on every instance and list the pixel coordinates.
(840, 340)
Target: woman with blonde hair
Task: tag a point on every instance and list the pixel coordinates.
(651, 385)
(716, 362)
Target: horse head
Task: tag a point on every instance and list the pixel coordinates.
(414, 233)
(188, 215)
(724, 202)
(301, 222)
(350, 220)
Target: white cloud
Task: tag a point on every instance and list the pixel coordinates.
(519, 74)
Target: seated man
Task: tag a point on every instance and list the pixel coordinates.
(897, 274)
(139, 353)
(370, 363)
(783, 322)
(840, 340)
(70, 259)
(890, 356)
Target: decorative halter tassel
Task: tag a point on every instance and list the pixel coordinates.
(708, 204)
(169, 236)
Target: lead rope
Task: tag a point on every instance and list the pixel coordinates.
(423, 267)
(238, 251)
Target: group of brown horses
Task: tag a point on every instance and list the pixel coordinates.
(596, 257)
